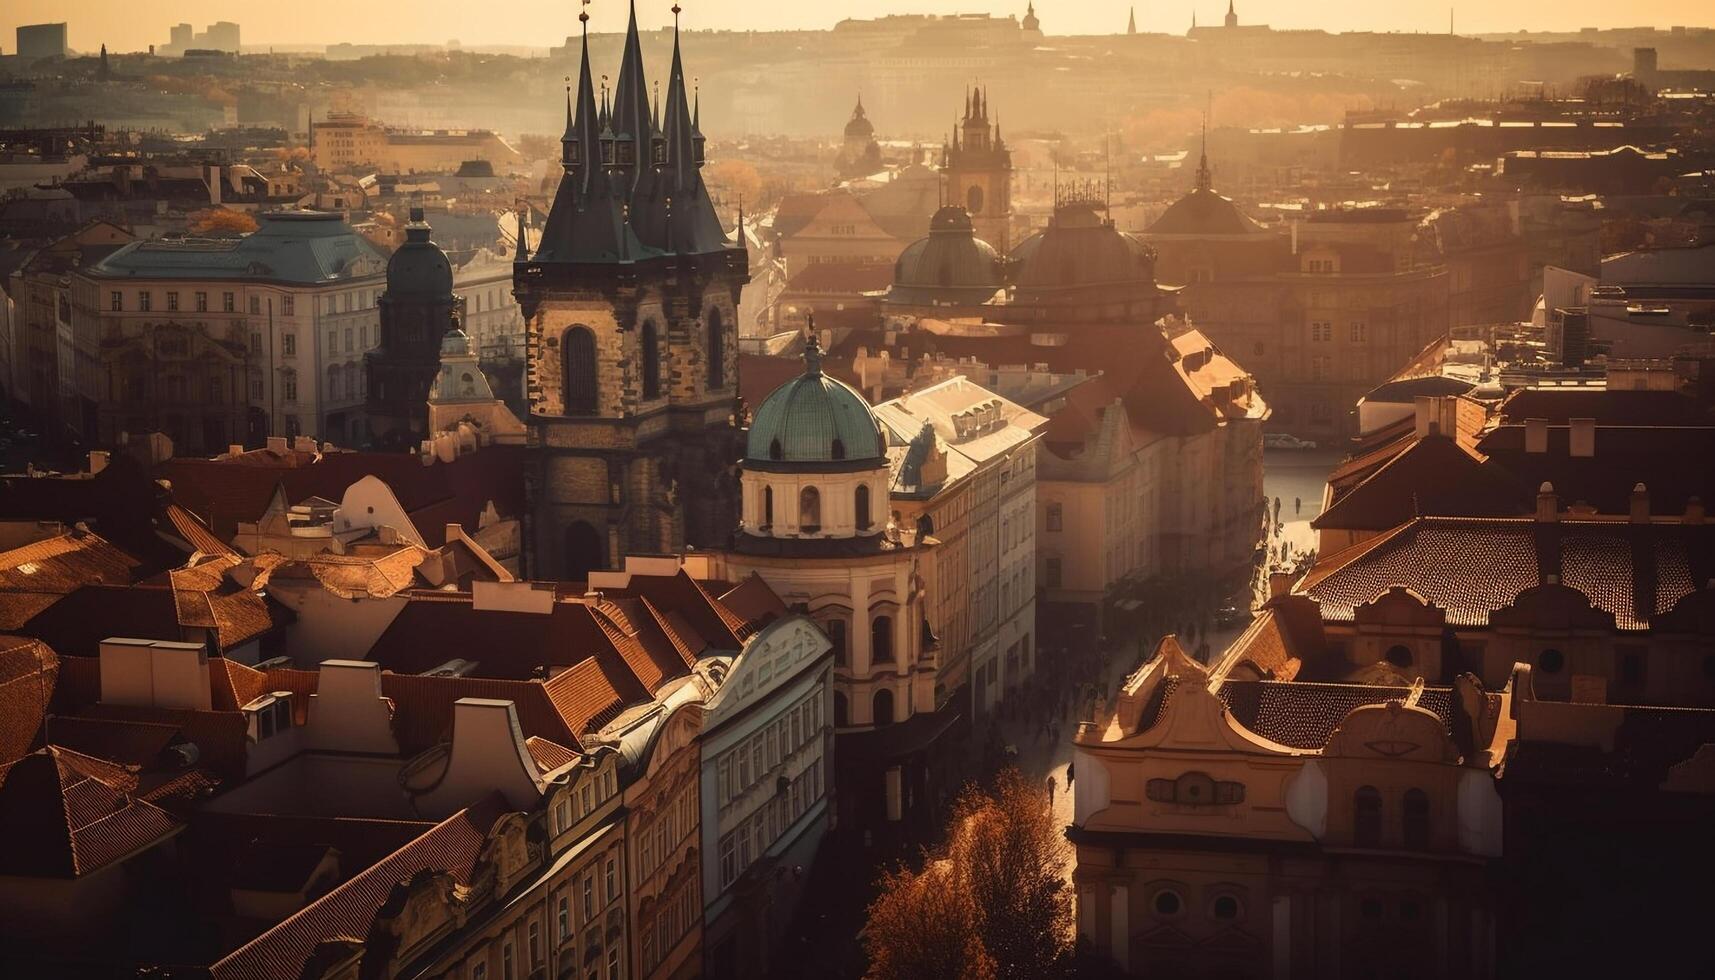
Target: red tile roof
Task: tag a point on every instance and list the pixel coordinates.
(39, 574)
(28, 672)
(755, 602)
(128, 743)
(452, 846)
(1431, 475)
(549, 755)
(423, 708)
(182, 604)
(65, 814)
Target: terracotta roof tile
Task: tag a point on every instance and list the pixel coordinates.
(549, 755)
(29, 670)
(754, 602)
(452, 846)
(127, 742)
(65, 814)
(1431, 475)
(37, 575)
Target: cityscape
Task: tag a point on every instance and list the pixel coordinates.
(1062, 490)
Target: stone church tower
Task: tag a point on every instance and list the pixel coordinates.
(417, 310)
(978, 169)
(629, 305)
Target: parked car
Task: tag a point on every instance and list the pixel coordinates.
(1286, 440)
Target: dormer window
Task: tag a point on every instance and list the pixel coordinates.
(574, 153)
(269, 715)
(838, 449)
(627, 153)
(607, 151)
(774, 450)
(658, 152)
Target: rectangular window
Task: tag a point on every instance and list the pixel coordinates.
(289, 344)
(255, 306)
(613, 963)
(349, 336)
(611, 886)
(143, 301)
(1321, 330)
(535, 946)
(289, 386)
(172, 301)
(333, 341)
(1319, 368)
(507, 969)
(116, 301)
(565, 918)
(288, 303)
(589, 895)
(479, 972)
(1051, 572)
(729, 860)
(202, 301)
(1360, 332)
(1055, 517)
(723, 776)
(228, 302)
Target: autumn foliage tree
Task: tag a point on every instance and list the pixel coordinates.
(990, 902)
(220, 221)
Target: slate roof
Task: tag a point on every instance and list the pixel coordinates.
(1471, 567)
(302, 248)
(1303, 714)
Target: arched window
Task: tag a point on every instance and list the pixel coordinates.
(1416, 819)
(838, 449)
(809, 510)
(837, 637)
(881, 640)
(840, 719)
(767, 506)
(1399, 655)
(862, 501)
(467, 385)
(585, 551)
(334, 386)
(580, 371)
(774, 450)
(883, 707)
(974, 199)
(651, 355)
(716, 350)
(1367, 817)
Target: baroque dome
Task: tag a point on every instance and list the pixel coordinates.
(814, 419)
(1078, 248)
(949, 256)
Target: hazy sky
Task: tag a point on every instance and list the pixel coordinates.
(126, 25)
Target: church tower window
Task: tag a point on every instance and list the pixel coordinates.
(580, 371)
(862, 507)
(810, 510)
(716, 351)
(651, 354)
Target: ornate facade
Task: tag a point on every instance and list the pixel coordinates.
(631, 363)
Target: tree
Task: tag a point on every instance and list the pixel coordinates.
(220, 221)
(990, 902)
(535, 146)
(923, 927)
(735, 180)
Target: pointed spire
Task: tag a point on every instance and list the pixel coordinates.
(631, 116)
(678, 122)
(584, 148)
(1131, 24)
(812, 349)
(1204, 180)
(521, 252)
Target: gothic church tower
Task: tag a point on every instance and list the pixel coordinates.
(978, 170)
(631, 359)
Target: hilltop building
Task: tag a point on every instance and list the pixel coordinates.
(860, 154)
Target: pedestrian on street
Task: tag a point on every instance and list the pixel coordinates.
(1050, 791)
(1068, 775)
(1297, 505)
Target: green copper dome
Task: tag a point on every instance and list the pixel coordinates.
(814, 419)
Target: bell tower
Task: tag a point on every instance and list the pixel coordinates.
(977, 168)
(629, 305)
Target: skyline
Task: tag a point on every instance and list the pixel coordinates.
(540, 23)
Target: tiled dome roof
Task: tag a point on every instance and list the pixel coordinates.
(814, 419)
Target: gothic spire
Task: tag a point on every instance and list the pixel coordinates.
(631, 116)
(1204, 181)
(586, 152)
(679, 122)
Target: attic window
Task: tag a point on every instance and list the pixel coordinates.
(839, 448)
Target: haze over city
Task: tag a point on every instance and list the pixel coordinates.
(130, 26)
(856, 491)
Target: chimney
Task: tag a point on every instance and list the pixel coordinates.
(1640, 504)
(304, 444)
(277, 445)
(214, 184)
(1279, 584)
(1536, 435)
(1582, 438)
(1694, 510)
(1428, 414)
(1547, 504)
(154, 673)
(235, 450)
(97, 461)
